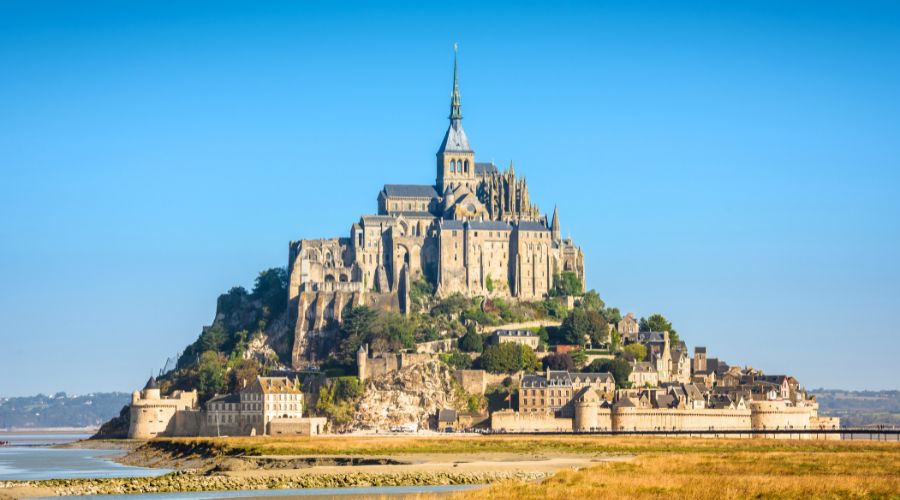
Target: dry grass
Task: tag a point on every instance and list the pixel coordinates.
(518, 444)
(842, 471)
(663, 468)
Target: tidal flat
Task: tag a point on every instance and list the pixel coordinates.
(509, 466)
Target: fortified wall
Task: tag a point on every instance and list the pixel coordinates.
(591, 416)
(384, 363)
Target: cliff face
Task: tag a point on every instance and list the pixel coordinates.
(413, 394)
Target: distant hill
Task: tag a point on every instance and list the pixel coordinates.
(61, 410)
(860, 408)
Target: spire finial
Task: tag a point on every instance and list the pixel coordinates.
(455, 111)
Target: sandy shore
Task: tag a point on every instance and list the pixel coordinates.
(197, 473)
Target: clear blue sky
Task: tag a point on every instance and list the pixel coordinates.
(732, 165)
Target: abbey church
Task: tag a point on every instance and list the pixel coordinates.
(474, 232)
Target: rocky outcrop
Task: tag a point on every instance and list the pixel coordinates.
(413, 394)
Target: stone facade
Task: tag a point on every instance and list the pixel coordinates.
(474, 232)
(267, 405)
(153, 415)
(555, 391)
(522, 337)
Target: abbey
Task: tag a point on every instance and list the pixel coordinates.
(474, 232)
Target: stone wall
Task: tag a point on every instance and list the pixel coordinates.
(645, 419)
(308, 426)
(472, 381)
(760, 415)
(779, 415)
(381, 364)
(512, 421)
(188, 423)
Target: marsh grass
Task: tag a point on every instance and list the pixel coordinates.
(663, 467)
(746, 472)
(517, 444)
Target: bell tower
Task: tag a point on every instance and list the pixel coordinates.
(455, 158)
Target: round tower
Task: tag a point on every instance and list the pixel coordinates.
(586, 416)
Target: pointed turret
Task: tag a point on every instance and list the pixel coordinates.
(554, 225)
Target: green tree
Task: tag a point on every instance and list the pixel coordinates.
(271, 289)
(612, 315)
(637, 351)
(509, 357)
(489, 283)
(211, 380)
(618, 367)
(566, 283)
(615, 340)
(457, 360)
(658, 323)
(213, 338)
(471, 342)
(579, 357)
(242, 373)
(582, 323)
(558, 361)
(592, 301)
(356, 327)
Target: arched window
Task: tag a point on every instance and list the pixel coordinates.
(466, 170)
(452, 165)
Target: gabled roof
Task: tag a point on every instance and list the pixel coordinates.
(410, 191)
(452, 224)
(490, 224)
(594, 377)
(485, 168)
(225, 398)
(647, 337)
(275, 385)
(515, 333)
(415, 214)
(530, 225)
(447, 415)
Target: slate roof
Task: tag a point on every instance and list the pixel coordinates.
(593, 377)
(515, 333)
(452, 224)
(555, 379)
(701, 350)
(530, 225)
(410, 191)
(455, 139)
(151, 384)
(225, 398)
(485, 168)
(647, 337)
(641, 366)
(490, 224)
(447, 415)
(415, 214)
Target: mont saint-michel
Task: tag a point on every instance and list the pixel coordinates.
(457, 307)
(282, 249)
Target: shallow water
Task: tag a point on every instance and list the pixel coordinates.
(29, 457)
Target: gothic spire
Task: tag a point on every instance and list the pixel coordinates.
(455, 111)
(554, 225)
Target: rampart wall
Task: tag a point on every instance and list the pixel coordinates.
(512, 421)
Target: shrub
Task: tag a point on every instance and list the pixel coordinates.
(508, 358)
